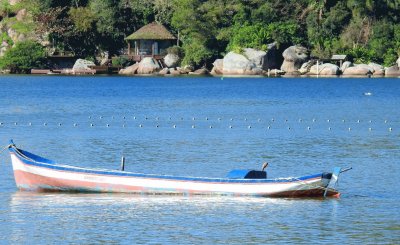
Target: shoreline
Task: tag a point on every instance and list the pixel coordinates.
(202, 76)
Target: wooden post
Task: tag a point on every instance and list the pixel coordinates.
(129, 48)
(122, 163)
(177, 41)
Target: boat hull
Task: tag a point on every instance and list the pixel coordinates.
(39, 176)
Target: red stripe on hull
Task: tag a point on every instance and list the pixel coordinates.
(29, 181)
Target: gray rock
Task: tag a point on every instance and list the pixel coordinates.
(172, 60)
(345, 65)
(379, 70)
(202, 71)
(325, 69)
(372, 70)
(175, 72)
(392, 71)
(262, 59)
(14, 35)
(188, 68)
(294, 57)
(237, 64)
(81, 64)
(105, 62)
(255, 56)
(305, 67)
(130, 70)
(218, 68)
(148, 65)
(21, 14)
(276, 72)
(251, 62)
(398, 62)
(3, 48)
(164, 71)
(357, 71)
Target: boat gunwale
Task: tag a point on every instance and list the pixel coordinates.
(118, 173)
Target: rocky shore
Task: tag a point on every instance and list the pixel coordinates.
(296, 62)
(250, 62)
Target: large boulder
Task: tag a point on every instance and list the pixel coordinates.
(81, 64)
(262, 59)
(371, 70)
(326, 69)
(255, 56)
(345, 65)
(294, 57)
(398, 62)
(392, 71)
(171, 60)
(357, 71)
(148, 65)
(130, 70)
(378, 69)
(237, 64)
(250, 62)
(218, 67)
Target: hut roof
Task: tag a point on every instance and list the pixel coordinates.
(152, 31)
(339, 57)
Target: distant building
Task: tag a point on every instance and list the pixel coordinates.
(338, 59)
(150, 40)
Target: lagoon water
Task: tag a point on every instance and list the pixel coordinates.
(205, 127)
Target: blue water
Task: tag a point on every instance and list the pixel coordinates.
(205, 127)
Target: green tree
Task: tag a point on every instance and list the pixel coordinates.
(82, 18)
(24, 56)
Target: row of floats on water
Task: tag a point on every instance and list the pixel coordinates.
(272, 120)
(193, 126)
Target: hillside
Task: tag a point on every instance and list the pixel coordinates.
(368, 31)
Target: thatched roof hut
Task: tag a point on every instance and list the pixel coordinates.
(152, 39)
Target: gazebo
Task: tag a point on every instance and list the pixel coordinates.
(339, 59)
(151, 40)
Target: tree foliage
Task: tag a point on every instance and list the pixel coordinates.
(23, 56)
(368, 30)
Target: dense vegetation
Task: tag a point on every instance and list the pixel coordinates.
(24, 56)
(368, 30)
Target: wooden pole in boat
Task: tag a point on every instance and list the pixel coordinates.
(122, 163)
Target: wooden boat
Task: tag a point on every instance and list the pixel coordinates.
(35, 173)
